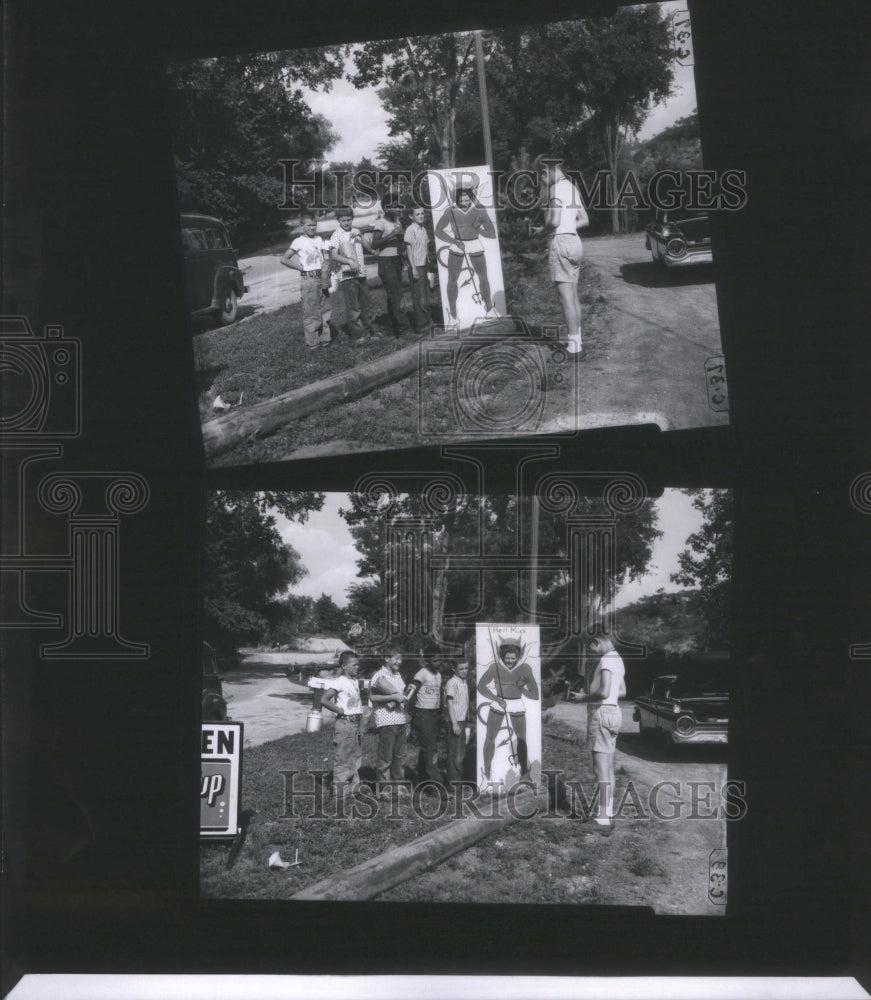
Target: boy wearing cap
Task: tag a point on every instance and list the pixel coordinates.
(389, 695)
(307, 254)
(346, 249)
(343, 697)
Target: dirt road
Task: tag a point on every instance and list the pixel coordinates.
(653, 332)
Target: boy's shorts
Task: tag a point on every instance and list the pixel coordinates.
(564, 257)
(604, 725)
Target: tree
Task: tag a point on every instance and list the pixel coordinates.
(234, 118)
(706, 562)
(459, 598)
(247, 563)
(330, 617)
(576, 89)
(629, 69)
(422, 81)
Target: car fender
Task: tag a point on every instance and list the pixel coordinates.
(226, 277)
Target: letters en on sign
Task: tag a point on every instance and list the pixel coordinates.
(221, 778)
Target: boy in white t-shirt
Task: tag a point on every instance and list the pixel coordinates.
(307, 254)
(343, 697)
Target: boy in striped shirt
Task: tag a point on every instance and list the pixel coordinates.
(457, 707)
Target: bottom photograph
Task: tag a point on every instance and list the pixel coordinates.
(484, 699)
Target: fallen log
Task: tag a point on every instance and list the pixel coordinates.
(242, 423)
(381, 873)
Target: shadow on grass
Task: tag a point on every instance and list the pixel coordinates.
(650, 275)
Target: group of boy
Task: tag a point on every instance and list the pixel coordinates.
(391, 698)
(318, 259)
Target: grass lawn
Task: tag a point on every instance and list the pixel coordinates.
(265, 357)
(541, 860)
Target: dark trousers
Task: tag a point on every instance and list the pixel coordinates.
(456, 753)
(420, 299)
(456, 262)
(355, 292)
(426, 728)
(390, 273)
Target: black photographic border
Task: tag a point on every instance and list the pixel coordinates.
(91, 182)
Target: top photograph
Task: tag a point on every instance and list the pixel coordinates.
(468, 236)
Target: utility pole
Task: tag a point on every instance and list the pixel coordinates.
(485, 108)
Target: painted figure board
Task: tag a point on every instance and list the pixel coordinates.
(508, 682)
(466, 245)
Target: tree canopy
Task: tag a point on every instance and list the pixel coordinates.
(706, 562)
(246, 562)
(460, 598)
(234, 118)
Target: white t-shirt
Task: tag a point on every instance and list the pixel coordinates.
(613, 662)
(429, 692)
(347, 694)
(310, 250)
(569, 198)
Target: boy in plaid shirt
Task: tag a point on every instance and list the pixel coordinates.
(389, 694)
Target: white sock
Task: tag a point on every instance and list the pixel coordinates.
(603, 821)
(573, 344)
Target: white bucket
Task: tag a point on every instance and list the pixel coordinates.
(313, 721)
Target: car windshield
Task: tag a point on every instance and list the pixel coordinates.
(696, 686)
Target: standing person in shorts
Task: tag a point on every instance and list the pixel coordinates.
(342, 696)
(604, 719)
(307, 254)
(346, 249)
(565, 215)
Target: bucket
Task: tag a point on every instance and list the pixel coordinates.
(313, 721)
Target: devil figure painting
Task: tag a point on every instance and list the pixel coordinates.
(467, 246)
(509, 705)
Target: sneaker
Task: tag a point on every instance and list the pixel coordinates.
(574, 345)
(600, 829)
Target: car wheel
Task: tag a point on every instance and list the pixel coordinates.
(647, 734)
(230, 307)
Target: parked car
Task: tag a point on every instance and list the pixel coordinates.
(214, 281)
(214, 706)
(690, 706)
(678, 238)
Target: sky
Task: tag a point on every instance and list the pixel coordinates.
(358, 118)
(328, 553)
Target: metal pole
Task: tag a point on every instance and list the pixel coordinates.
(485, 109)
(533, 597)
